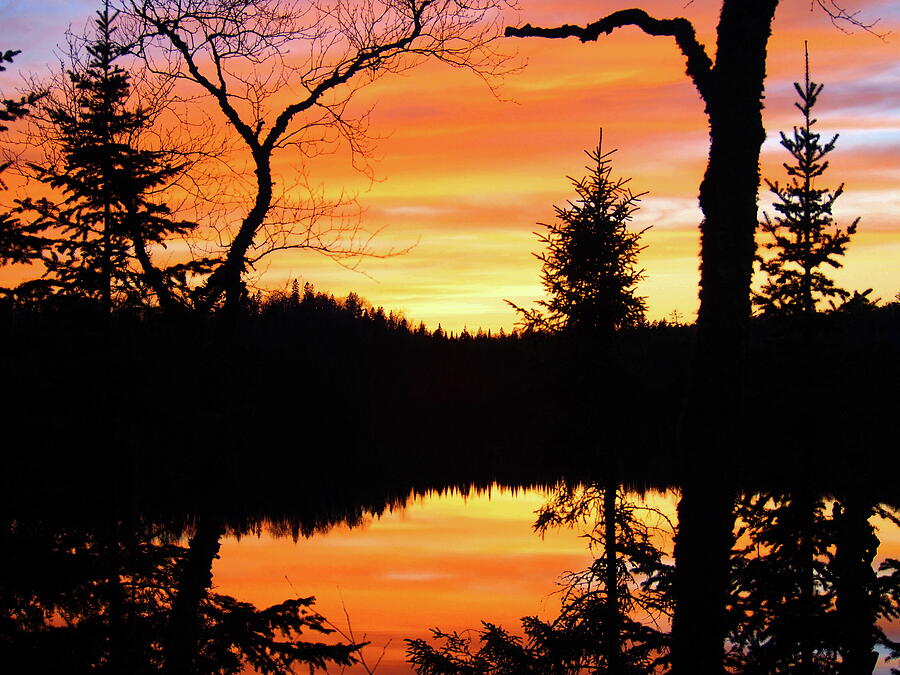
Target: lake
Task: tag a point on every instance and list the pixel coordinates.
(381, 570)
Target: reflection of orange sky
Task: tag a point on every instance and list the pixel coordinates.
(466, 177)
(443, 562)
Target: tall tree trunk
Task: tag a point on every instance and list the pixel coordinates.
(227, 280)
(715, 420)
(193, 586)
(728, 199)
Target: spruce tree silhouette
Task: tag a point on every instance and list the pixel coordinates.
(803, 235)
(589, 268)
(93, 242)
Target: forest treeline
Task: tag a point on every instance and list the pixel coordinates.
(308, 383)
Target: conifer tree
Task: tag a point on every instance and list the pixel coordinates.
(589, 267)
(94, 242)
(803, 235)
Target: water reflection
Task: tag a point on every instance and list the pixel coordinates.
(810, 590)
(125, 597)
(613, 613)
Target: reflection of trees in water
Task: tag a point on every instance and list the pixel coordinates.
(126, 599)
(805, 593)
(807, 597)
(781, 588)
(613, 613)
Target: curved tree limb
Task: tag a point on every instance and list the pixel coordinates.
(699, 65)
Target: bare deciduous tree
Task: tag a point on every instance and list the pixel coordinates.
(283, 74)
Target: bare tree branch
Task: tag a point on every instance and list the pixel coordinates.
(282, 74)
(841, 17)
(699, 64)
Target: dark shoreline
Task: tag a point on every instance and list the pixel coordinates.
(178, 413)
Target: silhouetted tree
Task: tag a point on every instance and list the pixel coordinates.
(589, 269)
(95, 241)
(282, 76)
(803, 235)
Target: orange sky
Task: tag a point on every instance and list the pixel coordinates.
(465, 177)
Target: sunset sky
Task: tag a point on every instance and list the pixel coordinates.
(464, 176)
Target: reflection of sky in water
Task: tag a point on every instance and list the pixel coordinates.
(444, 561)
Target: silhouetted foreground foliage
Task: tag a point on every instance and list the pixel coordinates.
(130, 598)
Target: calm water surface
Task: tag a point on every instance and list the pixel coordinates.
(445, 560)
(383, 567)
